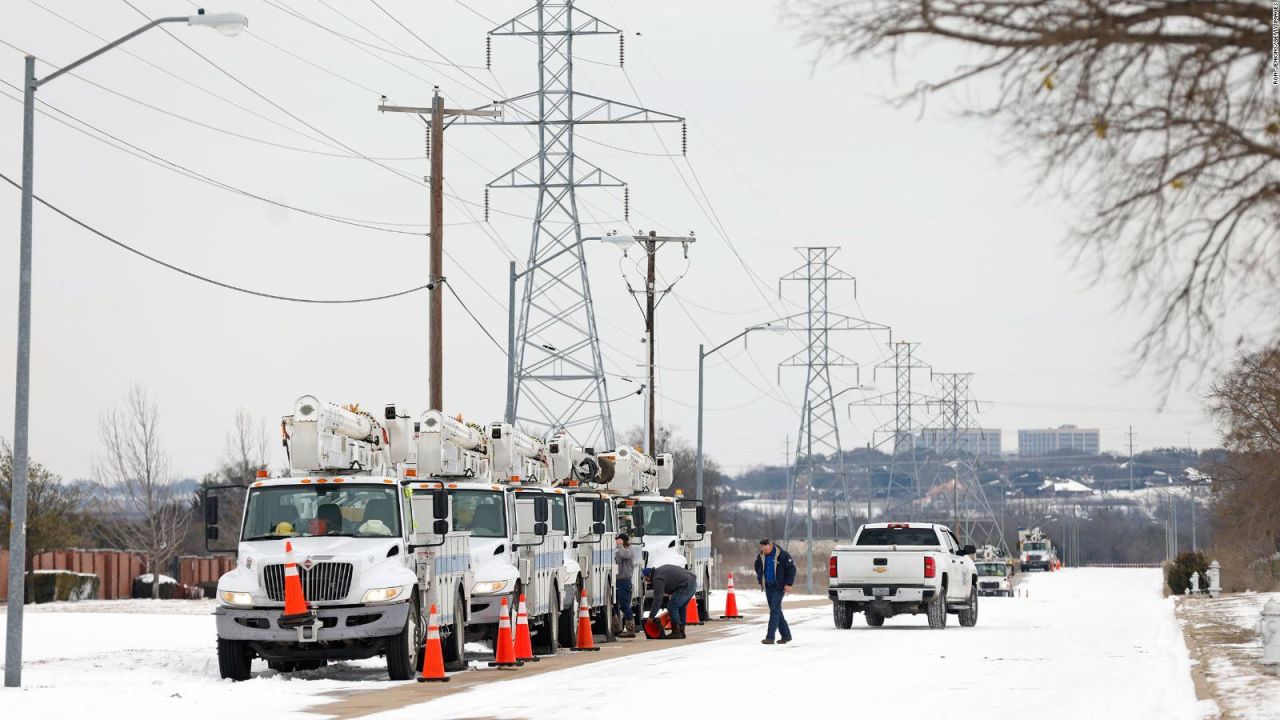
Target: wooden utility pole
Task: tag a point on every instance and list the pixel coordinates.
(651, 243)
(435, 126)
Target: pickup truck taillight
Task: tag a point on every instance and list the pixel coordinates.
(930, 569)
(831, 566)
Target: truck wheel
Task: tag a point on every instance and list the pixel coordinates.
(969, 617)
(874, 619)
(842, 615)
(704, 602)
(234, 659)
(937, 609)
(403, 647)
(568, 619)
(604, 625)
(454, 651)
(547, 640)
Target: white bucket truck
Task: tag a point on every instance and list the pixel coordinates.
(664, 527)
(371, 542)
(592, 527)
(498, 490)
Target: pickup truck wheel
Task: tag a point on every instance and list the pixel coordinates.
(842, 615)
(234, 659)
(969, 616)
(454, 651)
(874, 619)
(937, 609)
(403, 647)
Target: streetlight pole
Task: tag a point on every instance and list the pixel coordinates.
(225, 23)
(702, 357)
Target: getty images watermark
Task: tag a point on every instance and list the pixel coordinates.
(1275, 42)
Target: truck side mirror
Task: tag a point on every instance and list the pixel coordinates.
(540, 528)
(701, 528)
(968, 550)
(210, 533)
(440, 526)
(597, 511)
(597, 528)
(211, 512)
(637, 531)
(541, 512)
(440, 508)
(701, 517)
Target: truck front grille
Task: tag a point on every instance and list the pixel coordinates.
(326, 581)
(989, 585)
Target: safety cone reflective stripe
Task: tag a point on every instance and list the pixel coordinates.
(295, 602)
(504, 649)
(432, 654)
(585, 641)
(730, 603)
(691, 612)
(524, 643)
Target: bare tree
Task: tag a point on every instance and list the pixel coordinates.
(246, 449)
(1160, 114)
(146, 510)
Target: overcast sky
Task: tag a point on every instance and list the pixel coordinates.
(952, 242)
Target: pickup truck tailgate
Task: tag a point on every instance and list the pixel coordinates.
(871, 564)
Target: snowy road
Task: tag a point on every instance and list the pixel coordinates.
(1087, 644)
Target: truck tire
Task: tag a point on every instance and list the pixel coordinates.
(403, 647)
(604, 625)
(842, 615)
(234, 659)
(547, 640)
(937, 609)
(454, 650)
(568, 619)
(874, 619)
(704, 601)
(969, 617)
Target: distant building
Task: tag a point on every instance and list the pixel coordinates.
(981, 442)
(1032, 443)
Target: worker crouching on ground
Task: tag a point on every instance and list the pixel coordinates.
(625, 558)
(775, 573)
(679, 585)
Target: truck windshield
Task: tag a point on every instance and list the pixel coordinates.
(312, 511)
(898, 536)
(483, 512)
(992, 569)
(659, 518)
(1034, 546)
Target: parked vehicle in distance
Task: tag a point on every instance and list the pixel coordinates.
(903, 568)
(993, 578)
(1035, 550)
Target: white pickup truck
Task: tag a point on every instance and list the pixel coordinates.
(896, 568)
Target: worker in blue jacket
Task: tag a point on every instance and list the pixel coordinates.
(775, 574)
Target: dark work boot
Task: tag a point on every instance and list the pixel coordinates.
(677, 632)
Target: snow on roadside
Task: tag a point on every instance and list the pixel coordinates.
(1226, 632)
(1088, 643)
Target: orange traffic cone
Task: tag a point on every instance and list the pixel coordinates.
(691, 612)
(504, 649)
(524, 643)
(432, 655)
(585, 641)
(730, 603)
(295, 602)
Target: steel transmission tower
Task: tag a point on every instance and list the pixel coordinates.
(818, 449)
(559, 380)
(969, 509)
(904, 402)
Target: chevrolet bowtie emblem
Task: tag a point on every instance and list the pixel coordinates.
(880, 569)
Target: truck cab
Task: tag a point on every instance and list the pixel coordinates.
(374, 551)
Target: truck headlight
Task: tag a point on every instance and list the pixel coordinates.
(379, 595)
(489, 588)
(237, 598)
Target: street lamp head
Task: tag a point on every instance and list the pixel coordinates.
(622, 241)
(770, 327)
(229, 24)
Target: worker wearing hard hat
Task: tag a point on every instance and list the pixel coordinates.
(672, 580)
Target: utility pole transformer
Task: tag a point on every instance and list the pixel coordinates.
(818, 449)
(435, 127)
(559, 379)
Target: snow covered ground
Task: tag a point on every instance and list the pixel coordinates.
(1224, 632)
(1097, 643)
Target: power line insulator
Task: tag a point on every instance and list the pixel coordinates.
(488, 52)
(684, 138)
(626, 203)
(622, 50)
(486, 204)
(427, 133)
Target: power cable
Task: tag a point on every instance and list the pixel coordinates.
(206, 279)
